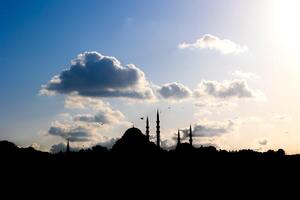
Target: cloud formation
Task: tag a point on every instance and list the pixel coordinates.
(208, 41)
(94, 75)
(263, 142)
(103, 113)
(226, 89)
(62, 147)
(73, 132)
(85, 127)
(35, 145)
(210, 129)
(84, 133)
(174, 91)
(98, 118)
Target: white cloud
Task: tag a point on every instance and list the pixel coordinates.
(36, 146)
(95, 117)
(244, 75)
(214, 104)
(263, 142)
(207, 128)
(213, 107)
(227, 89)
(174, 91)
(208, 41)
(94, 75)
(103, 113)
(76, 132)
(79, 102)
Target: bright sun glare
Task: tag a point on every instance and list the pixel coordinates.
(285, 23)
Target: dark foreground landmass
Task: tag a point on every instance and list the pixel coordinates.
(185, 159)
(185, 168)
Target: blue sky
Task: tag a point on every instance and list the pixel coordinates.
(39, 39)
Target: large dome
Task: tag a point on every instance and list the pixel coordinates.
(133, 131)
(133, 140)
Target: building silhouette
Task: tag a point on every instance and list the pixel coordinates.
(133, 140)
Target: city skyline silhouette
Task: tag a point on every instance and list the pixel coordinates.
(140, 97)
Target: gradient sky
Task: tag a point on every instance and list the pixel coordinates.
(247, 50)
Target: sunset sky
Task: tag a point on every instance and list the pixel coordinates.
(88, 70)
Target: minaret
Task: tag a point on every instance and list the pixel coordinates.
(68, 146)
(147, 129)
(178, 138)
(191, 136)
(157, 130)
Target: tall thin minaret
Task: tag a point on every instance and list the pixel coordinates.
(157, 130)
(147, 129)
(68, 146)
(178, 138)
(191, 136)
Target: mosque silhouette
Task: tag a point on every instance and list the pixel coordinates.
(134, 140)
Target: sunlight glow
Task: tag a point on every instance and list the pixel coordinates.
(285, 24)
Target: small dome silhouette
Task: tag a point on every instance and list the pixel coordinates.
(184, 147)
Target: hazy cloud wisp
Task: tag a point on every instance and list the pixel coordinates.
(226, 89)
(209, 41)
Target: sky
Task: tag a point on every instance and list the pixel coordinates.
(88, 70)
